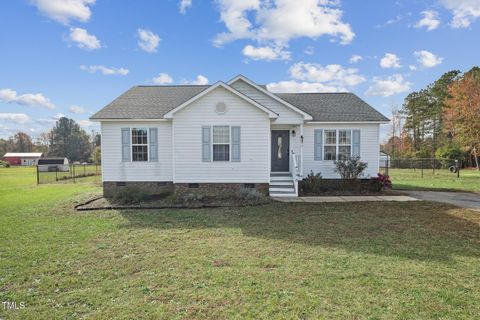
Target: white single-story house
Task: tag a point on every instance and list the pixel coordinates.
(232, 135)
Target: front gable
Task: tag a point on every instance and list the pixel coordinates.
(228, 92)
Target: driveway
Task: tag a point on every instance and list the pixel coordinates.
(460, 199)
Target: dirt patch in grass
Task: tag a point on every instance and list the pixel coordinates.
(101, 203)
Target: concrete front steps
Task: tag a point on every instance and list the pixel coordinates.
(281, 185)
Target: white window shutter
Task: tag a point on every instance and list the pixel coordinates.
(125, 144)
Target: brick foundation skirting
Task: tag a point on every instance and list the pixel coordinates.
(205, 189)
(152, 188)
(215, 189)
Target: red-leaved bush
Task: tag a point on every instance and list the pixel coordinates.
(380, 182)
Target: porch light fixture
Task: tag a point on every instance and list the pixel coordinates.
(294, 133)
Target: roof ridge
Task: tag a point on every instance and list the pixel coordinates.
(174, 85)
(345, 92)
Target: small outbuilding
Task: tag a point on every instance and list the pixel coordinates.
(53, 164)
(22, 158)
(384, 160)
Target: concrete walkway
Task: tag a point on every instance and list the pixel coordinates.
(460, 199)
(346, 199)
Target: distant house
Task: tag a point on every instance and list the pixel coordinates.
(22, 158)
(53, 164)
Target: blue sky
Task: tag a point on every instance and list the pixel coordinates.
(72, 57)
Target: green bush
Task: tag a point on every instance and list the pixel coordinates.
(351, 168)
(451, 152)
(4, 164)
(130, 195)
(312, 183)
(192, 198)
(250, 194)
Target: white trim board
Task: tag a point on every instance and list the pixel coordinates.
(271, 114)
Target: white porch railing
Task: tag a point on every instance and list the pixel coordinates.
(295, 171)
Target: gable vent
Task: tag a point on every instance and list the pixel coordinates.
(221, 108)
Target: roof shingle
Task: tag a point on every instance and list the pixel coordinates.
(333, 107)
(152, 102)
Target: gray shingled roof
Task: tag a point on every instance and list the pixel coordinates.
(148, 102)
(328, 107)
(152, 102)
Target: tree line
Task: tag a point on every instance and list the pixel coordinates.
(65, 139)
(440, 121)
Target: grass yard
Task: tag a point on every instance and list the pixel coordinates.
(351, 261)
(442, 180)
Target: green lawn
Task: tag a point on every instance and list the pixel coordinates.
(469, 180)
(351, 261)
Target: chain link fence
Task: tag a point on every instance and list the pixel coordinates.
(422, 166)
(69, 173)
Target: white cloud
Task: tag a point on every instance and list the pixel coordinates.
(427, 59)
(85, 123)
(65, 10)
(309, 50)
(89, 125)
(390, 60)
(83, 39)
(184, 5)
(412, 67)
(27, 99)
(265, 53)
(293, 86)
(20, 118)
(58, 116)
(276, 22)
(311, 77)
(76, 109)
(105, 70)
(332, 75)
(430, 20)
(162, 78)
(389, 86)
(464, 11)
(395, 20)
(148, 41)
(356, 58)
(200, 80)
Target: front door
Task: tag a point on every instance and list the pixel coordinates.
(280, 150)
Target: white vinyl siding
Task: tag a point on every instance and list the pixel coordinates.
(254, 166)
(285, 114)
(369, 149)
(114, 169)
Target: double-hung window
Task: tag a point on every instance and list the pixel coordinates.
(338, 144)
(330, 145)
(344, 144)
(139, 144)
(221, 143)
